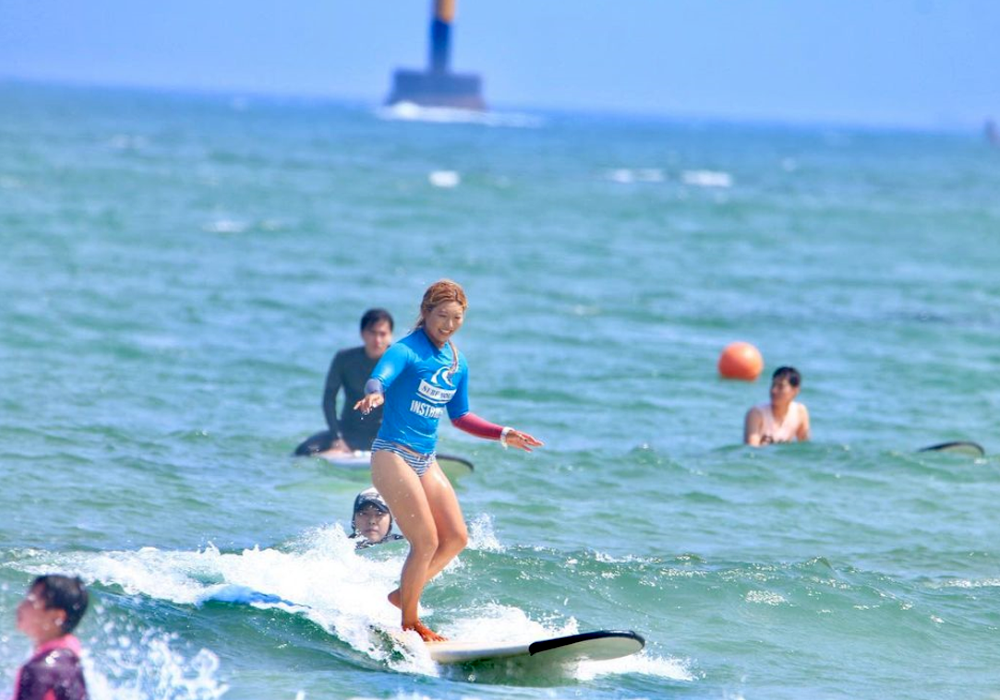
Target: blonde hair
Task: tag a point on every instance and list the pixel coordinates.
(442, 292)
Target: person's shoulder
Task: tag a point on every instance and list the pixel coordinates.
(51, 664)
(415, 341)
(348, 353)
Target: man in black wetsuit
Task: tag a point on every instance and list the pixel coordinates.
(349, 371)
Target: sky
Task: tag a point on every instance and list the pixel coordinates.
(912, 63)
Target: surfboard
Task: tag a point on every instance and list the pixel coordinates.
(600, 645)
(360, 460)
(318, 445)
(972, 449)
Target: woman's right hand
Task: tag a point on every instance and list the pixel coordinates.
(515, 438)
(370, 402)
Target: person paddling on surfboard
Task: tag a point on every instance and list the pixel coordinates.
(418, 379)
(349, 371)
(782, 420)
(371, 522)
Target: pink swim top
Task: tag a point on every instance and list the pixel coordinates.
(786, 430)
(53, 672)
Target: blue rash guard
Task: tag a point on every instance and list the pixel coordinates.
(418, 388)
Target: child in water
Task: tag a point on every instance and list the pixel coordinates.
(49, 612)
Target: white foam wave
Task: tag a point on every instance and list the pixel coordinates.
(226, 226)
(765, 598)
(965, 583)
(320, 576)
(505, 624)
(482, 536)
(643, 663)
(407, 111)
(444, 178)
(707, 178)
(150, 668)
(627, 176)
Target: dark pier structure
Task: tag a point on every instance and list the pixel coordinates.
(438, 86)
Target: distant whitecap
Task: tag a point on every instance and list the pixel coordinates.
(707, 178)
(629, 175)
(444, 178)
(408, 111)
(226, 226)
(621, 175)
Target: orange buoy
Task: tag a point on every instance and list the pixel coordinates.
(741, 361)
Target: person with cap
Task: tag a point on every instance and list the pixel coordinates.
(371, 522)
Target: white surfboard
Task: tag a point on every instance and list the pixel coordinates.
(360, 460)
(588, 646)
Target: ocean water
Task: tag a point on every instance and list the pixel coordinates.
(177, 271)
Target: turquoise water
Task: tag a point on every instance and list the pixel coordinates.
(177, 272)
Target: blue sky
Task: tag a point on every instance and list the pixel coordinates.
(932, 63)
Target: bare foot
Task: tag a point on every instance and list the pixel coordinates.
(394, 599)
(425, 632)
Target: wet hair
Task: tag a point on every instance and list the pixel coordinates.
(64, 593)
(789, 373)
(375, 316)
(442, 292)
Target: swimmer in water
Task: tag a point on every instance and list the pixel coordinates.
(371, 521)
(783, 419)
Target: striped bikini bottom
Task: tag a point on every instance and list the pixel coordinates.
(417, 462)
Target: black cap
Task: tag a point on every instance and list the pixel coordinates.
(370, 497)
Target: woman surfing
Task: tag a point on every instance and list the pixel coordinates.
(418, 379)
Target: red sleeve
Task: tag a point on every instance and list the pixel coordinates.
(473, 424)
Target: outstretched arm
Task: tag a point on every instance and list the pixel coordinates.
(374, 397)
(474, 425)
(388, 368)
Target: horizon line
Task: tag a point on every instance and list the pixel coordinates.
(955, 127)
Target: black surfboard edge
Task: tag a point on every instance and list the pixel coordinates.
(550, 644)
(952, 445)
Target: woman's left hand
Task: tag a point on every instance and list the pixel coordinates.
(369, 402)
(523, 441)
